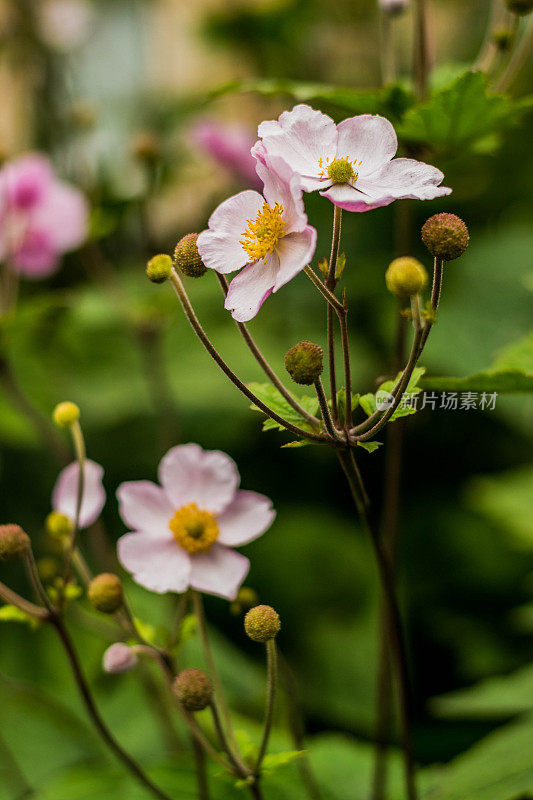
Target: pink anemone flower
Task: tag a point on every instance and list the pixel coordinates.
(184, 531)
(266, 234)
(352, 163)
(65, 493)
(40, 217)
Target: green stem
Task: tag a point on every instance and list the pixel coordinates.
(201, 772)
(14, 599)
(79, 450)
(272, 676)
(343, 320)
(239, 766)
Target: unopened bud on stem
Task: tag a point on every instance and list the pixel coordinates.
(66, 414)
(303, 362)
(193, 689)
(14, 542)
(445, 236)
(159, 268)
(105, 593)
(262, 623)
(187, 258)
(406, 277)
(119, 658)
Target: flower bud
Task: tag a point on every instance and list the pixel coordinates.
(193, 689)
(520, 7)
(48, 568)
(246, 599)
(66, 414)
(445, 236)
(14, 542)
(159, 268)
(119, 658)
(105, 593)
(58, 525)
(406, 277)
(303, 362)
(393, 7)
(187, 258)
(262, 623)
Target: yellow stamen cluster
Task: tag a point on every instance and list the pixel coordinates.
(264, 232)
(340, 170)
(193, 529)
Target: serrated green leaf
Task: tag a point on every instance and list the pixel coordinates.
(14, 614)
(274, 400)
(370, 447)
(369, 402)
(273, 761)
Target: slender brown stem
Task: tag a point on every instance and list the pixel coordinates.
(33, 575)
(343, 320)
(324, 409)
(201, 772)
(94, 714)
(265, 366)
(14, 599)
(240, 768)
(322, 288)
(393, 615)
(331, 282)
(195, 324)
(420, 57)
(272, 676)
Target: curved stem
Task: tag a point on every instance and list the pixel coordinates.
(517, 60)
(14, 599)
(394, 619)
(322, 288)
(272, 661)
(93, 712)
(331, 282)
(324, 409)
(265, 366)
(343, 320)
(201, 334)
(240, 768)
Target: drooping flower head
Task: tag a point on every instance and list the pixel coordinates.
(266, 234)
(229, 146)
(184, 531)
(65, 493)
(40, 217)
(352, 163)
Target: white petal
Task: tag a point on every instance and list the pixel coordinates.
(157, 563)
(284, 186)
(250, 288)
(295, 252)
(301, 137)
(220, 246)
(144, 506)
(65, 493)
(351, 199)
(208, 478)
(221, 571)
(404, 178)
(367, 138)
(247, 517)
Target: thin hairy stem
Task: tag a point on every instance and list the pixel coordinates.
(322, 288)
(14, 599)
(239, 766)
(272, 676)
(265, 366)
(94, 714)
(394, 620)
(195, 324)
(33, 575)
(324, 409)
(331, 282)
(343, 320)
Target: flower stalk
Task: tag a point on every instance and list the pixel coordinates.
(331, 282)
(272, 676)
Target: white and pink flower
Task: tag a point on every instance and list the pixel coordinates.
(266, 234)
(119, 658)
(40, 217)
(352, 163)
(65, 493)
(184, 531)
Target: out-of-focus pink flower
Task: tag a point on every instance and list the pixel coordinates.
(65, 493)
(229, 146)
(266, 234)
(119, 658)
(352, 164)
(185, 529)
(393, 7)
(40, 216)
(65, 24)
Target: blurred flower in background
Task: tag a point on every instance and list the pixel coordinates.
(40, 216)
(65, 24)
(229, 146)
(65, 493)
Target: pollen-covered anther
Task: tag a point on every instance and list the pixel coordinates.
(340, 170)
(194, 529)
(264, 232)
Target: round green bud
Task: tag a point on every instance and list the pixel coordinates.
(48, 568)
(66, 414)
(503, 39)
(187, 258)
(406, 277)
(58, 525)
(303, 362)
(193, 689)
(14, 542)
(520, 7)
(445, 236)
(246, 599)
(105, 593)
(262, 623)
(159, 268)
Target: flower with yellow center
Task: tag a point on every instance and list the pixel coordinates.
(264, 232)
(193, 529)
(340, 170)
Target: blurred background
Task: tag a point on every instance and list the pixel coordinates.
(148, 109)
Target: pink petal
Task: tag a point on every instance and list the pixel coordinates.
(36, 257)
(208, 478)
(351, 199)
(247, 517)
(144, 506)
(24, 181)
(404, 178)
(64, 215)
(119, 658)
(367, 138)
(283, 186)
(301, 137)
(157, 563)
(220, 246)
(221, 571)
(295, 252)
(230, 146)
(251, 287)
(64, 496)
